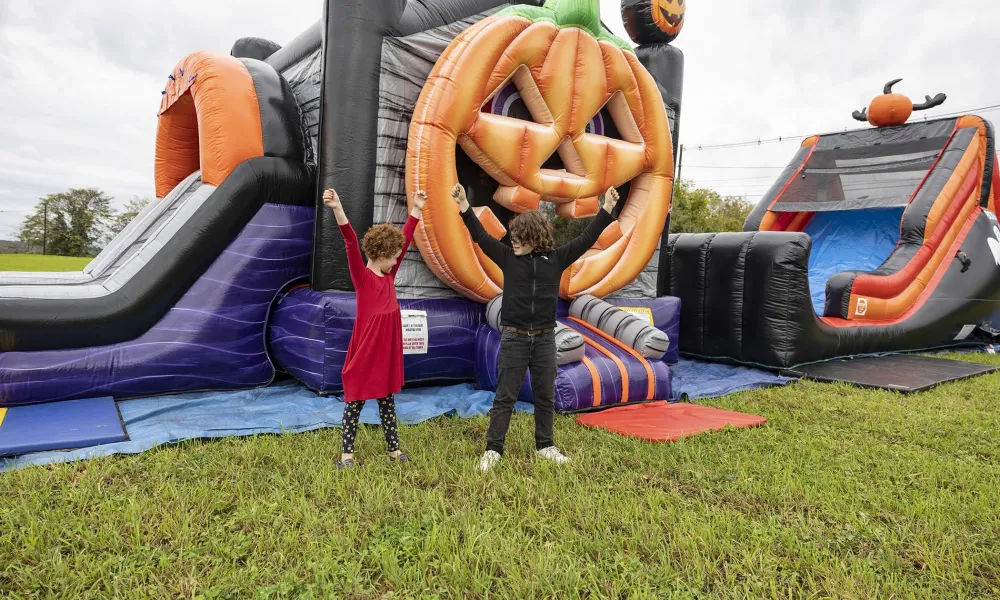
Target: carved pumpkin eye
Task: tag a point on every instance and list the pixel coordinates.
(508, 103)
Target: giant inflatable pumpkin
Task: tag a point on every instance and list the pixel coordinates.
(567, 71)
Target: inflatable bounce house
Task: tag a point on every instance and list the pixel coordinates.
(883, 239)
(237, 271)
(871, 241)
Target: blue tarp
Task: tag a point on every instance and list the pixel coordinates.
(694, 379)
(851, 240)
(285, 407)
(290, 407)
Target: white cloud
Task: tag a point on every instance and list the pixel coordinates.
(82, 80)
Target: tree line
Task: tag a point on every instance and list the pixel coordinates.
(76, 223)
(693, 210)
(81, 221)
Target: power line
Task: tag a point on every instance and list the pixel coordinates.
(729, 167)
(793, 138)
(767, 177)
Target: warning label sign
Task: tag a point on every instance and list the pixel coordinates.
(646, 314)
(415, 339)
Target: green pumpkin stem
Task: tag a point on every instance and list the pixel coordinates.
(585, 14)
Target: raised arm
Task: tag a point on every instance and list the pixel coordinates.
(571, 252)
(355, 261)
(492, 247)
(419, 200)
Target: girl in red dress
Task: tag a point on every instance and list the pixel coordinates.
(373, 369)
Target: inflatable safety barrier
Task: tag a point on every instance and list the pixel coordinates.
(621, 325)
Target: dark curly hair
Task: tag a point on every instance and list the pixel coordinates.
(533, 229)
(382, 241)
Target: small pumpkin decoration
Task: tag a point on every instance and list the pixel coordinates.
(894, 109)
(653, 21)
(566, 70)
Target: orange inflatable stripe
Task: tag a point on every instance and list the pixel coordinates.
(651, 386)
(595, 377)
(616, 360)
(969, 164)
(995, 193)
(800, 221)
(209, 118)
(893, 285)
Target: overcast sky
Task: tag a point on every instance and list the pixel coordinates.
(82, 80)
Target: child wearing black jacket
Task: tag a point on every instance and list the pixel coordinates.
(532, 269)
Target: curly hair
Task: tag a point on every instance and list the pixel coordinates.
(382, 241)
(533, 229)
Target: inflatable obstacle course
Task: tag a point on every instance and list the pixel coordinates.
(191, 296)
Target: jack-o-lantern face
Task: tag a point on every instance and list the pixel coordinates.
(669, 16)
(653, 21)
(566, 76)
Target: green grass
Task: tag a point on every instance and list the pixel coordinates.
(843, 494)
(37, 262)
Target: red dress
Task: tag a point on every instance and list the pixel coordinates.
(374, 365)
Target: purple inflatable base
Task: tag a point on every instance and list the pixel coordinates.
(310, 331)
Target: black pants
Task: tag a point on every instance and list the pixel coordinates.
(386, 414)
(519, 353)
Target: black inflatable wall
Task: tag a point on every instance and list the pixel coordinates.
(353, 31)
(666, 64)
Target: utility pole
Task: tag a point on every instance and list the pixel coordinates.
(45, 225)
(680, 163)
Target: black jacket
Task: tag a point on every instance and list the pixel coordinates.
(531, 282)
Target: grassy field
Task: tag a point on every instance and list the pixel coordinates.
(37, 262)
(843, 494)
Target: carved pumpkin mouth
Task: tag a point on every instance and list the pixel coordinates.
(673, 19)
(505, 195)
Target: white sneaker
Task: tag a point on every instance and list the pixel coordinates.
(489, 460)
(552, 453)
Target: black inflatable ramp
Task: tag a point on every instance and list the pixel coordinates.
(905, 373)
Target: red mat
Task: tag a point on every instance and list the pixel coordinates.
(662, 422)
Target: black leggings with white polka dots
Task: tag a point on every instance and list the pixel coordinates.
(386, 414)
